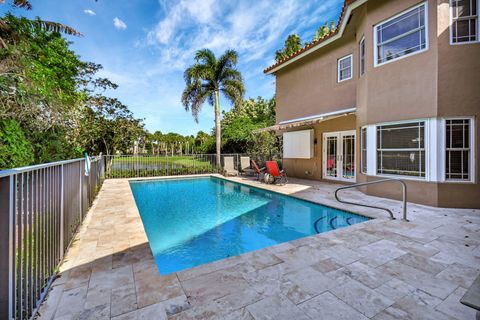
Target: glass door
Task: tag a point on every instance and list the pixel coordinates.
(330, 156)
(348, 156)
(339, 155)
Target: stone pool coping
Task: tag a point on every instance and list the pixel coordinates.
(379, 268)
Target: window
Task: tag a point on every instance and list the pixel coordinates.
(344, 66)
(361, 55)
(363, 147)
(401, 149)
(464, 27)
(401, 35)
(457, 153)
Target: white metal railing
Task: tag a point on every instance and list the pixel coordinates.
(404, 196)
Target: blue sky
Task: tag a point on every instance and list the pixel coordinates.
(145, 45)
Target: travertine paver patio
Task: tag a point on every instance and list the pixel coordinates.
(380, 269)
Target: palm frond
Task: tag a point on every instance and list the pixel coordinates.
(226, 62)
(231, 74)
(233, 90)
(25, 4)
(207, 57)
(209, 75)
(198, 71)
(193, 98)
(55, 27)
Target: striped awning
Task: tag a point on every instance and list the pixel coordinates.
(306, 121)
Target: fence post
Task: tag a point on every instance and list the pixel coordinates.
(80, 188)
(6, 246)
(62, 213)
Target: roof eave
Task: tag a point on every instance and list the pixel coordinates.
(322, 44)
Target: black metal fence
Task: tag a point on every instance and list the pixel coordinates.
(41, 208)
(137, 166)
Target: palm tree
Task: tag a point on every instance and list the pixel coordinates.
(206, 79)
(5, 29)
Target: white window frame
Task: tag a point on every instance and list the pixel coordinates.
(435, 150)
(350, 56)
(472, 160)
(426, 148)
(364, 145)
(450, 3)
(361, 57)
(375, 51)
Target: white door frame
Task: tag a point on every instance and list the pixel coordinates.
(339, 156)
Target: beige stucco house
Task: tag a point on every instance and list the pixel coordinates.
(393, 92)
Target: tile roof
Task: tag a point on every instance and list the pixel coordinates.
(312, 44)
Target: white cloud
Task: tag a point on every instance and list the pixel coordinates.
(119, 24)
(255, 29)
(89, 12)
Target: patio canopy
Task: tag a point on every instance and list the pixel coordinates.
(307, 121)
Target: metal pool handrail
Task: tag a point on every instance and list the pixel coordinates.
(404, 196)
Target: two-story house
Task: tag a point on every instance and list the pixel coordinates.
(393, 92)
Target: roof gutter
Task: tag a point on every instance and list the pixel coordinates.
(350, 8)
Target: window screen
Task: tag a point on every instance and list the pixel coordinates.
(363, 142)
(457, 157)
(464, 20)
(362, 56)
(345, 68)
(401, 149)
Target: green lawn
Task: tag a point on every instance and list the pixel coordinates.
(184, 161)
(151, 166)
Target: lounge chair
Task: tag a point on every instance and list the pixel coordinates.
(245, 167)
(228, 167)
(279, 176)
(257, 170)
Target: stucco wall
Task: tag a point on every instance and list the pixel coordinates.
(441, 81)
(299, 167)
(458, 95)
(309, 86)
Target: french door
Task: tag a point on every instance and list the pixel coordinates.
(339, 155)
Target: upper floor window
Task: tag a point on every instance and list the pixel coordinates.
(361, 55)
(344, 68)
(401, 35)
(464, 26)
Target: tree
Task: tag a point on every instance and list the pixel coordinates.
(206, 79)
(56, 100)
(15, 149)
(324, 31)
(292, 45)
(108, 126)
(239, 123)
(7, 31)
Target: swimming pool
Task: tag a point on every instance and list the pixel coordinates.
(194, 221)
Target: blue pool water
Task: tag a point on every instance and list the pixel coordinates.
(194, 221)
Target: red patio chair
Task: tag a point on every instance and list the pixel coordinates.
(258, 171)
(330, 164)
(278, 175)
